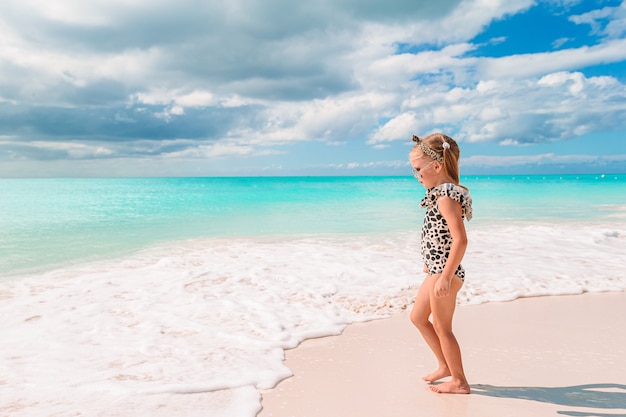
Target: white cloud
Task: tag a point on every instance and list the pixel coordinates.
(197, 98)
(70, 150)
(541, 159)
(560, 42)
(212, 151)
(396, 128)
(240, 78)
(368, 165)
(530, 65)
(615, 15)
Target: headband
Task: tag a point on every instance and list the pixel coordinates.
(429, 151)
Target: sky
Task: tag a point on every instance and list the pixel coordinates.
(93, 88)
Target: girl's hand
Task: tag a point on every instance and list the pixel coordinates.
(442, 287)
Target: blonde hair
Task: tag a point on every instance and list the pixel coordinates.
(443, 149)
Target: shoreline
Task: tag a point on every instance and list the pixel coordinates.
(541, 356)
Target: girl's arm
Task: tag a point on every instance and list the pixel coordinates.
(452, 212)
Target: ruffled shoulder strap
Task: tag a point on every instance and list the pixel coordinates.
(453, 191)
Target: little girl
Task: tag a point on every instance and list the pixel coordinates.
(435, 164)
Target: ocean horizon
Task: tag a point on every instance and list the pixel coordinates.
(53, 222)
(114, 289)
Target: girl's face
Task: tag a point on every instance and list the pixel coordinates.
(425, 169)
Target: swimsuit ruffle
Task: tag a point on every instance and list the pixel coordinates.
(453, 191)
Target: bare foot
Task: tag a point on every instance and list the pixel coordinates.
(437, 375)
(451, 387)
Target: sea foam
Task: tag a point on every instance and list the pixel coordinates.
(199, 324)
(198, 327)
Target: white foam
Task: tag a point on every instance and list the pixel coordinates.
(197, 327)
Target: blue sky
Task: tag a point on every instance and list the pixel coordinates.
(276, 87)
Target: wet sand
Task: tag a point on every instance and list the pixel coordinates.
(543, 356)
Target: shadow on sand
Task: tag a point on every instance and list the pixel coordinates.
(605, 396)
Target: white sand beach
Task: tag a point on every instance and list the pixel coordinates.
(542, 356)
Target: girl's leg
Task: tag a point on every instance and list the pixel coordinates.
(442, 311)
(420, 314)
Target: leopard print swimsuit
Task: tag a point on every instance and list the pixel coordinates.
(436, 236)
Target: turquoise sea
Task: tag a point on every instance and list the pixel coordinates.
(47, 223)
(125, 296)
